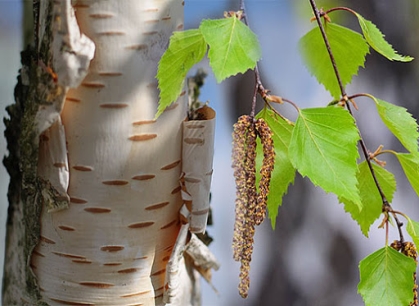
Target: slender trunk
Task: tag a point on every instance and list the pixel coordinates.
(111, 245)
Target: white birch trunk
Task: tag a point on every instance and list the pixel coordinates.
(111, 246)
(97, 226)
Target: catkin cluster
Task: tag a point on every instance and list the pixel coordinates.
(409, 249)
(250, 205)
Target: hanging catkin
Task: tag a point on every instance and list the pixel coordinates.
(250, 204)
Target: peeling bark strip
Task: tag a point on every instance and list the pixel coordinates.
(198, 145)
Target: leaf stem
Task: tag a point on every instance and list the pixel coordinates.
(386, 206)
(329, 49)
(258, 83)
(340, 8)
(259, 88)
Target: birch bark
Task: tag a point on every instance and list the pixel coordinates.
(111, 245)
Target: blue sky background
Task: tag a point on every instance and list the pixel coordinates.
(10, 46)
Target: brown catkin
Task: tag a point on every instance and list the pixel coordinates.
(265, 134)
(244, 165)
(250, 205)
(244, 279)
(239, 156)
(250, 168)
(409, 249)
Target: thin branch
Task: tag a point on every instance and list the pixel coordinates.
(258, 83)
(386, 205)
(255, 93)
(329, 49)
(259, 88)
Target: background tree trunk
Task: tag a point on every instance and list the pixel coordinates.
(112, 244)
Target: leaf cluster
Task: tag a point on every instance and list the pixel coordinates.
(349, 50)
(323, 142)
(233, 48)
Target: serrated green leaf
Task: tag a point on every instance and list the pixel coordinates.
(234, 48)
(400, 122)
(284, 173)
(376, 40)
(372, 203)
(386, 278)
(324, 147)
(413, 230)
(410, 165)
(349, 49)
(185, 50)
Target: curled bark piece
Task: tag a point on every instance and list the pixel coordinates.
(177, 279)
(188, 257)
(72, 50)
(197, 156)
(202, 257)
(53, 167)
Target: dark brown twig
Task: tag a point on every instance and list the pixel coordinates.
(386, 205)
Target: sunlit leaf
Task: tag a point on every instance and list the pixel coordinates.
(386, 278)
(376, 40)
(400, 122)
(349, 49)
(410, 165)
(324, 147)
(234, 48)
(283, 173)
(185, 50)
(372, 202)
(413, 230)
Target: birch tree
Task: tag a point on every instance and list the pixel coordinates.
(94, 198)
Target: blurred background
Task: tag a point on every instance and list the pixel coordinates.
(312, 256)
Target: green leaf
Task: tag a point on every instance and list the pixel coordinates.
(376, 40)
(185, 50)
(413, 230)
(386, 278)
(410, 165)
(370, 197)
(349, 49)
(234, 48)
(284, 173)
(324, 147)
(400, 122)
